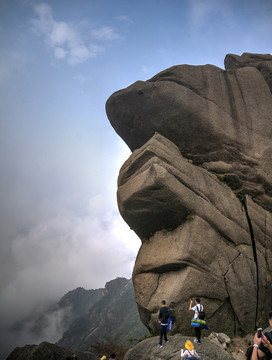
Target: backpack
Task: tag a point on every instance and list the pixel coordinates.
(201, 313)
(171, 320)
(169, 324)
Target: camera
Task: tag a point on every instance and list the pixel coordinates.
(259, 332)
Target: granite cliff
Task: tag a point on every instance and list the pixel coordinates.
(197, 189)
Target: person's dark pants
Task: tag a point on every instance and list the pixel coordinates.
(163, 333)
(198, 333)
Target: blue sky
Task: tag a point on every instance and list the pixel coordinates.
(59, 156)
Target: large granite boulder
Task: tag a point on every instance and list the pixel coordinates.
(197, 190)
(221, 119)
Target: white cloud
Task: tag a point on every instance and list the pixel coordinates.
(60, 53)
(62, 33)
(65, 40)
(202, 12)
(125, 19)
(104, 33)
(44, 23)
(67, 251)
(55, 244)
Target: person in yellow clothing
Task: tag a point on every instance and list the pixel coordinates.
(190, 352)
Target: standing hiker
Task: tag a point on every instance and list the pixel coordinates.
(163, 317)
(198, 308)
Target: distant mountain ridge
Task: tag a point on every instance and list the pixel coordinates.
(71, 306)
(80, 301)
(88, 316)
(114, 314)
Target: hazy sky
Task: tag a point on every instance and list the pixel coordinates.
(59, 156)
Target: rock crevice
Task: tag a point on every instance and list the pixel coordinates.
(255, 259)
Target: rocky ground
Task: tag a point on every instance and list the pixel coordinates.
(213, 347)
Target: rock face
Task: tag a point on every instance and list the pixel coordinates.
(219, 119)
(197, 190)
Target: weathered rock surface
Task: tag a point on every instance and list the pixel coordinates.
(47, 351)
(197, 190)
(260, 61)
(220, 119)
(199, 241)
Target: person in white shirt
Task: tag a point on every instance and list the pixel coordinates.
(197, 308)
(190, 352)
